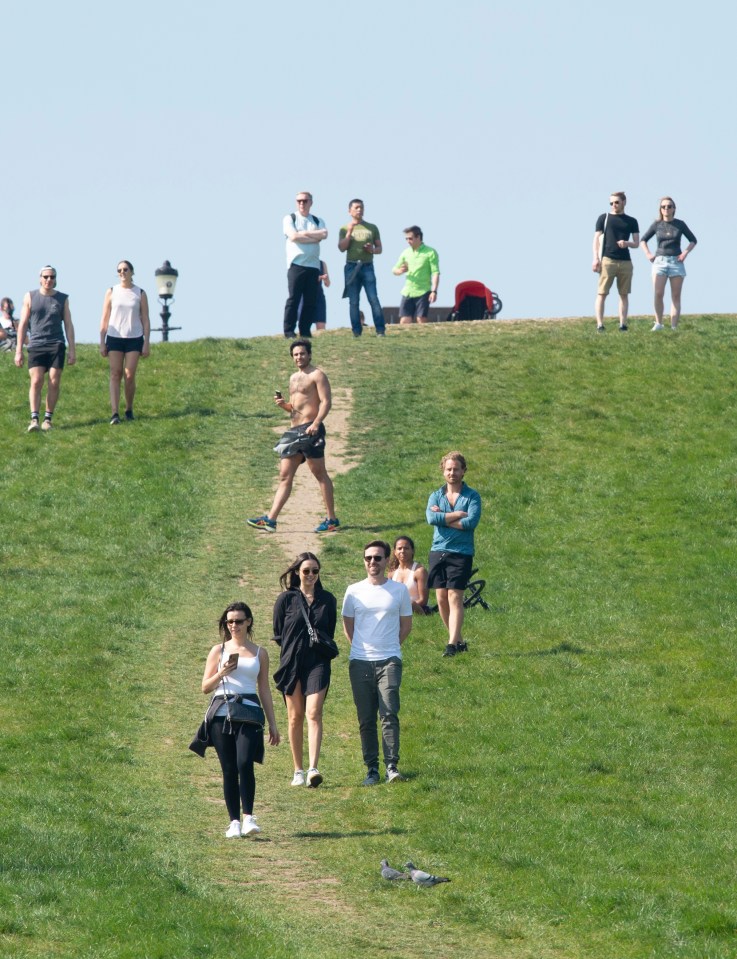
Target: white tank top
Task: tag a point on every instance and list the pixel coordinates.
(411, 584)
(242, 681)
(125, 312)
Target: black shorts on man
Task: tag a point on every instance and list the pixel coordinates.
(49, 357)
(449, 570)
(415, 306)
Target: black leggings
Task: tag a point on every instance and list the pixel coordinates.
(235, 752)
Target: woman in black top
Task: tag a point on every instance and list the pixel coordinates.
(304, 625)
(668, 259)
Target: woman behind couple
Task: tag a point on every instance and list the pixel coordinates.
(403, 569)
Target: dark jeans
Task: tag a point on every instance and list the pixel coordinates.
(358, 276)
(235, 752)
(303, 283)
(376, 690)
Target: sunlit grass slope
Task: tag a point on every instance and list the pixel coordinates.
(573, 774)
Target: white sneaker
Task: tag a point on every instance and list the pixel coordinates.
(234, 830)
(33, 426)
(314, 778)
(658, 326)
(299, 777)
(249, 826)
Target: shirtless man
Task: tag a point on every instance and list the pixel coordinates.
(309, 404)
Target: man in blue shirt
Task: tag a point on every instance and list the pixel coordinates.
(454, 511)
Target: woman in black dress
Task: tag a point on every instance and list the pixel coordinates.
(304, 625)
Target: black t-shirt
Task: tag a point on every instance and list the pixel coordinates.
(619, 226)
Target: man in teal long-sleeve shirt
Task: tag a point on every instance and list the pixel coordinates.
(453, 511)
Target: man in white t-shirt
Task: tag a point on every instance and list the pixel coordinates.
(377, 618)
(303, 231)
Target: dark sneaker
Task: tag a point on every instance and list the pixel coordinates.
(462, 647)
(393, 775)
(115, 420)
(372, 778)
(450, 650)
(380, 333)
(328, 525)
(129, 415)
(623, 328)
(601, 329)
(263, 523)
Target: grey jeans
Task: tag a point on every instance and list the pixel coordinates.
(375, 688)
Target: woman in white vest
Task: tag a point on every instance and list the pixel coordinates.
(125, 330)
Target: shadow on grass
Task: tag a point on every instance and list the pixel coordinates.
(558, 650)
(144, 417)
(357, 833)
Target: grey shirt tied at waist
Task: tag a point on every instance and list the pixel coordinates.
(296, 440)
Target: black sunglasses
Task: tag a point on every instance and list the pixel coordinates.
(373, 559)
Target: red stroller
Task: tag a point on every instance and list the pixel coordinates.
(474, 301)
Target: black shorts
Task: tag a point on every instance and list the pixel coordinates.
(124, 344)
(449, 570)
(49, 357)
(316, 449)
(415, 306)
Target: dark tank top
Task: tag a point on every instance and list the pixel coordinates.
(46, 322)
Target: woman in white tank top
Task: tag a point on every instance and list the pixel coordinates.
(405, 570)
(237, 666)
(125, 330)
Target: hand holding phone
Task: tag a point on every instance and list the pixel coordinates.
(232, 661)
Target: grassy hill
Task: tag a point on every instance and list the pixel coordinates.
(574, 774)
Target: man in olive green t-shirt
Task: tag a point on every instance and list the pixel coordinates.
(421, 264)
(360, 241)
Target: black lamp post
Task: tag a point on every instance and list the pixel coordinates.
(166, 280)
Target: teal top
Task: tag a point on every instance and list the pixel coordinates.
(422, 263)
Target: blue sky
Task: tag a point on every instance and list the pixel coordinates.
(183, 131)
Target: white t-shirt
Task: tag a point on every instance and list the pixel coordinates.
(375, 611)
(302, 254)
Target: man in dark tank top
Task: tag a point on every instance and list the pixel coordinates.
(46, 317)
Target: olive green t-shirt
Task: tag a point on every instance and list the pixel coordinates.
(362, 233)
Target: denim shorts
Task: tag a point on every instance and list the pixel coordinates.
(668, 266)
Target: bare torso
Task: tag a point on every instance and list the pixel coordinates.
(307, 390)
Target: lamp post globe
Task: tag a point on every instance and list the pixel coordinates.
(166, 281)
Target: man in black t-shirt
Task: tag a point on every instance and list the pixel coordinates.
(612, 261)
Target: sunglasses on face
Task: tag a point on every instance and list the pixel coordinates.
(373, 559)
(235, 622)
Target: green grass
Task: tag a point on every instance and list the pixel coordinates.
(573, 775)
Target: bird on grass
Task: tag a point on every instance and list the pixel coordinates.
(420, 878)
(391, 874)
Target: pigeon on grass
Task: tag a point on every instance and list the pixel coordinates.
(420, 878)
(391, 874)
